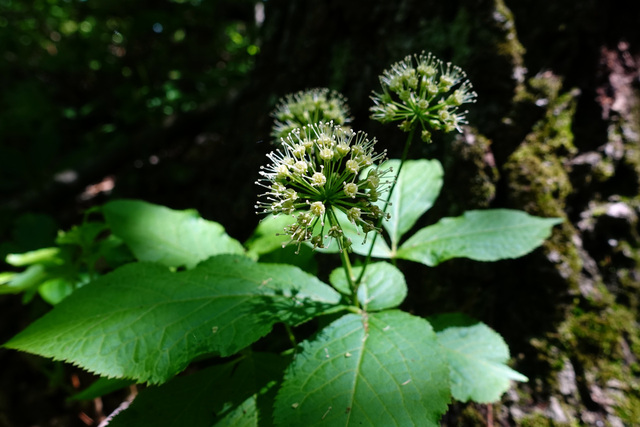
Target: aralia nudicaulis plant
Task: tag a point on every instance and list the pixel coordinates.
(422, 90)
(317, 168)
(187, 291)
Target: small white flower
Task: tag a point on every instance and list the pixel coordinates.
(317, 208)
(318, 179)
(300, 167)
(350, 189)
(326, 154)
(352, 166)
(354, 215)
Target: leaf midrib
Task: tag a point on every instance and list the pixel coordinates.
(437, 239)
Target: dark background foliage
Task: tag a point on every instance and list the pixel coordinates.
(168, 101)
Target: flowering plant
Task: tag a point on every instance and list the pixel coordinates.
(429, 93)
(317, 169)
(309, 106)
(195, 293)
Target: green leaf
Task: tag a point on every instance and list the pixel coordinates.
(486, 235)
(268, 238)
(221, 395)
(82, 235)
(415, 192)
(46, 256)
(303, 257)
(477, 357)
(169, 237)
(376, 369)
(6, 277)
(33, 276)
(383, 285)
(245, 414)
(146, 323)
(269, 234)
(55, 290)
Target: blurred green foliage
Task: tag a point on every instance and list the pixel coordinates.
(78, 76)
(80, 255)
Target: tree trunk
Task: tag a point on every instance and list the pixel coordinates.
(555, 132)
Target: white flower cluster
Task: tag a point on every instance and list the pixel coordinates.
(319, 168)
(307, 107)
(426, 91)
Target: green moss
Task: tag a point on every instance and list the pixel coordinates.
(598, 333)
(541, 420)
(472, 171)
(595, 338)
(541, 184)
(600, 337)
(537, 171)
(471, 416)
(540, 89)
(628, 407)
(561, 250)
(511, 46)
(603, 170)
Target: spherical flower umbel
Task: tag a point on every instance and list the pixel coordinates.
(427, 92)
(308, 107)
(318, 170)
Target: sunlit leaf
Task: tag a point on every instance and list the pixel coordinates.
(173, 238)
(144, 322)
(269, 235)
(382, 286)
(484, 235)
(477, 357)
(415, 191)
(376, 369)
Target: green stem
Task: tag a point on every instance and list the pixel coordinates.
(292, 337)
(405, 153)
(344, 257)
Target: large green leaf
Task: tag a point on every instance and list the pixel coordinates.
(376, 369)
(415, 191)
(486, 235)
(477, 358)
(146, 323)
(222, 395)
(172, 238)
(383, 285)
